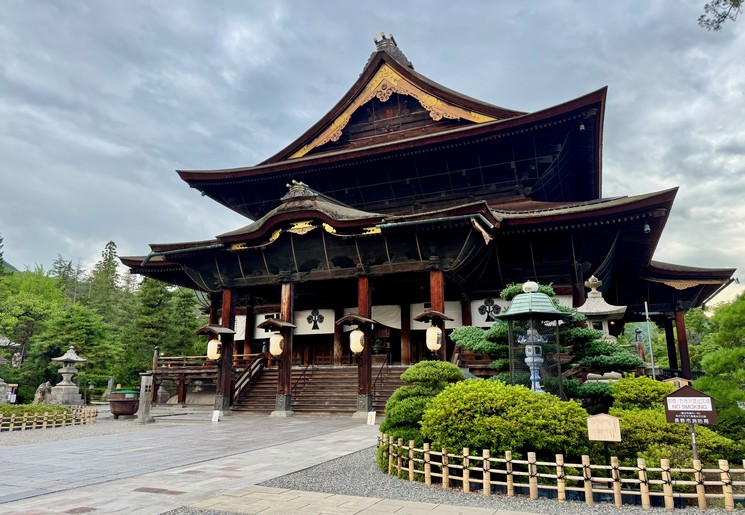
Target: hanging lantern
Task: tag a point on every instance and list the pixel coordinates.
(434, 338)
(357, 341)
(214, 349)
(276, 344)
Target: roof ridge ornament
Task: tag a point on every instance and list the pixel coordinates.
(299, 191)
(389, 46)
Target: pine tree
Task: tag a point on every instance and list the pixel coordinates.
(103, 294)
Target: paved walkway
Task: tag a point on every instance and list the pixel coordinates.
(190, 461)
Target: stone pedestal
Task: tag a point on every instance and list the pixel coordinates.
(146, 394)
(283, 406)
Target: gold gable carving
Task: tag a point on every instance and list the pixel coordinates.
(383, 84)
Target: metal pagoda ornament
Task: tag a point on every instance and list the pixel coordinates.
(533, 309)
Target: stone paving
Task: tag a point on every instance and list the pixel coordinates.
(191, 461)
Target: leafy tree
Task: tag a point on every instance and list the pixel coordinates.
(2, 260)
(69, 276)
(717, 12)
(27, 299)
(186, 319)
(80, 327)
(103, 292)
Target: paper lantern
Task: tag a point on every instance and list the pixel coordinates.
(276, 344)
(357, 341)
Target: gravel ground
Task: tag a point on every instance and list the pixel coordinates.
(357, 474)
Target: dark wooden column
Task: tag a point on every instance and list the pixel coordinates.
(223, 397)
(283, 404)
(437, 301)
(364, 369)
(672, 354)
(405, 334)
(685, 360)
(465, 311)
(338, 350)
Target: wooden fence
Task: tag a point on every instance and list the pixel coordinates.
(621, 483)
(79, 415)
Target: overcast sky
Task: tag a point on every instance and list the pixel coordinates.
(101, 101)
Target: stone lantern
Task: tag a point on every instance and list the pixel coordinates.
(599, 313)
(66, 392)
(533, 308)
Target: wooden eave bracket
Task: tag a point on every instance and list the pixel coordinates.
(353, 319)
(214, 329)
(430, 314)
(275, 323)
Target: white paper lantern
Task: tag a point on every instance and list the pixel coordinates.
(276, 344)
(214, 349)
(434, 338)
(357, 341)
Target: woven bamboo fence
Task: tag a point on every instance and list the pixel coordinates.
(621, 483)
(80, 415)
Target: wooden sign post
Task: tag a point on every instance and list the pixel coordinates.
(604, 428)
(689, 406)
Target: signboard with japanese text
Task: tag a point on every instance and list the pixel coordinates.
(689, 406)
(604, 428)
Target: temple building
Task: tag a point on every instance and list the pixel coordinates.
(409, 205)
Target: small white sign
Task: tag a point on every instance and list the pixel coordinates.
(371, 418)
(689, 404)
(216, 415)
(604, 428)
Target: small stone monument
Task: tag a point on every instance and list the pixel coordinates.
(66, 392)
(3, 391)
(109, 389)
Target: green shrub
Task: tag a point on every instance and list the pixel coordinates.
(492, 415)
(468, 336)
(646, 433)
(731, 423)
(513, 289)
(436, 374)
(32, 409)
(405, 408)
(620, 359)
(596, 397)
(634, 392)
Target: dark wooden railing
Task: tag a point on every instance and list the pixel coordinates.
(254, 364)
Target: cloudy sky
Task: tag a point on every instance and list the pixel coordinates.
(101, 101)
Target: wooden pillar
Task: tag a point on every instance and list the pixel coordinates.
(465, 311)
(223, 397)
(672, 355)
(250, 324)
(405, 334)
(685, 360)
(283, 404)
(437, 301)
(364, 369)
(214, 313)
(338, 350)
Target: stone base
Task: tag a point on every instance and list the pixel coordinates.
(360, 414)
(66, 396)
(222, 402)
(364, 403)
(289, 413)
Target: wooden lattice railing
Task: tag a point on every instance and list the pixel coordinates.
(488, 474)
(79, 416)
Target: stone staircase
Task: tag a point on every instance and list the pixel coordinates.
(319, 391)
